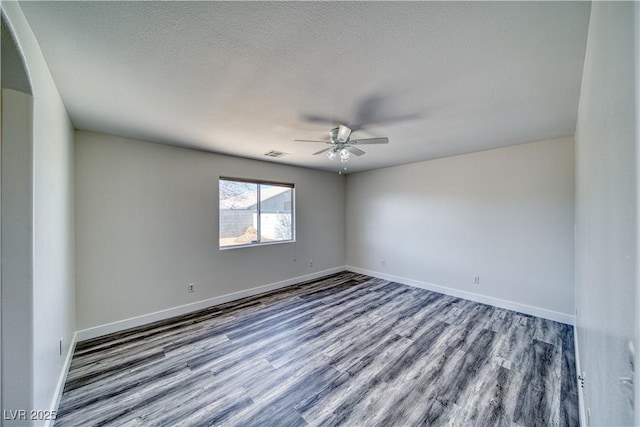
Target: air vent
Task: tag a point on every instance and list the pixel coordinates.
(275, 154)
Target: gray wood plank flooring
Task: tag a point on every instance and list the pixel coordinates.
(345, 350)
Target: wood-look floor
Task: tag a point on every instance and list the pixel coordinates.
(346, 350)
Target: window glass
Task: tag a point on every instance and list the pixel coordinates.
(255, 212)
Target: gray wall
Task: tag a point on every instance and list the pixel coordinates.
(606, 200)
(147, 225)
(17, 249)
(505, 215)
(46, 192)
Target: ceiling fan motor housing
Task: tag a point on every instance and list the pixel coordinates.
(333, 134)
(340, 134)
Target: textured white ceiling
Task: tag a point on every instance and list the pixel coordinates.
(243, 78)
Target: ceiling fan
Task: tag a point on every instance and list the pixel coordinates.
(342, 145)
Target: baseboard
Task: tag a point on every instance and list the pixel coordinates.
(97, 331)
(581, 407)
(133, 322)
(62, 379)
(496, 302)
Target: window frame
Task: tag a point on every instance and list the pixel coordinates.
(258, 183)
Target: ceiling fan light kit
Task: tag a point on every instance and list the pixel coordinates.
(342, 152)
(342, 145)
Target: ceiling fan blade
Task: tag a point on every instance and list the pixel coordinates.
(387, 120)
(383, 140)
(372, 111)
(322, 120)
(354, 150)
(322, 151)
(343, 133)
(311, 140)
(367, 110)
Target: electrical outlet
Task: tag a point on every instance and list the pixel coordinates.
(191, 287)
(310, 263)
(476, 280)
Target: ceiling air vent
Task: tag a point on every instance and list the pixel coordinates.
(275, 154)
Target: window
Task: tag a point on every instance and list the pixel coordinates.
(255, 212)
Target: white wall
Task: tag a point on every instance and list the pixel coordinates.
(637, 122)
(505, 215)
(51, 287)
(606, 197)
(147, 225)
(17, 262)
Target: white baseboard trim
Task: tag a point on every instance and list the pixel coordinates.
(144, 319)
(581, 407)
(62, 379)
(121, 325)
(496, 302)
